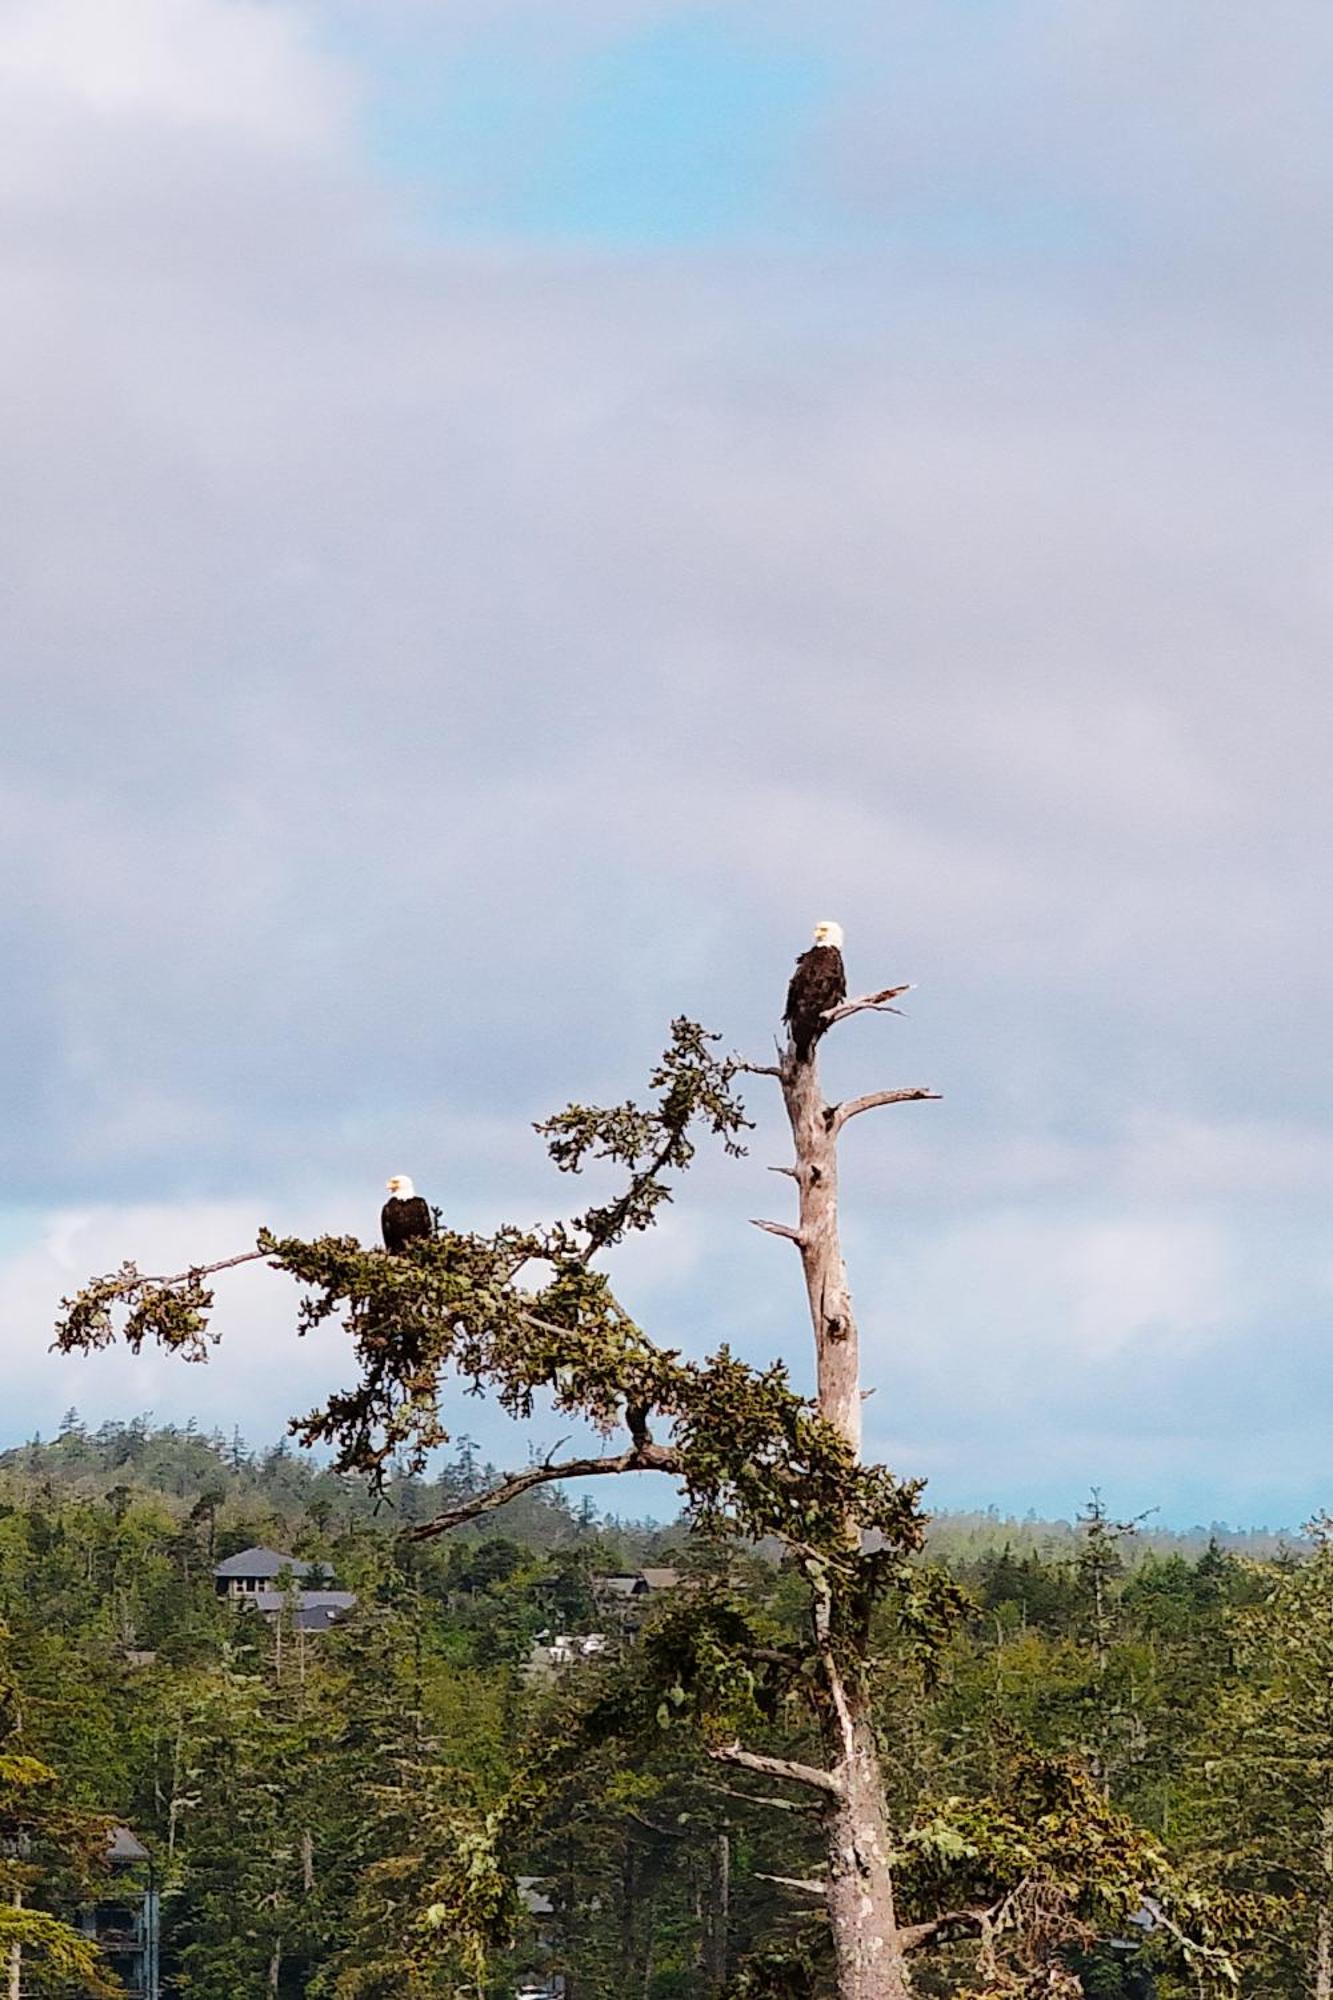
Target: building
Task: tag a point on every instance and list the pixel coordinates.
(255, 1570)
(257, 1576)
(630, 1586)
(126, 1920)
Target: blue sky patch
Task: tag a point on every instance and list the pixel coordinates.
(684, 133)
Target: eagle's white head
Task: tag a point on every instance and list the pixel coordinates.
(401, 1188)
(830, 934)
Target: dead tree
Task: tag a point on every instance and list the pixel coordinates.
(859, 1887)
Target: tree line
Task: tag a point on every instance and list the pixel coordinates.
(307, 1800)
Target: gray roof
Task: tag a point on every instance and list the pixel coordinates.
(313, 1610)
(261, 1562)
(122, 1846)
(636, 1583)
(621, 1586)
(318, 1617)
(306, 1600)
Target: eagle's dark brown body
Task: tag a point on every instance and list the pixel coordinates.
(818, 983)
(404, 1221)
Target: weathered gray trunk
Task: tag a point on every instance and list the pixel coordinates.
(837, 1344)
(1323, 1945)
(16, 1956)
(860, 1881)
(718, 1917)
(870, 1964)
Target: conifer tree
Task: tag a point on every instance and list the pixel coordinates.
(50, 1857)
(1267, 1814)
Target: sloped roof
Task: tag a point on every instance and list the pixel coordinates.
(636, 1583)
(621, 1585)
(318, 1617)
(306, 1600)
(261, 1562)
(123, 1846)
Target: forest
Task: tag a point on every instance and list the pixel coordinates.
(303, 1797)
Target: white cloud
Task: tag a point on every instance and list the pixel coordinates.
(242, 70)
(431, 668)
(258, 1374)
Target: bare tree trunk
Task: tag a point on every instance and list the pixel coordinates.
(718, 1920)
(16, 1956)
(173, 1815)
(870, 1962)
(837, 1343)
(1323, 1954)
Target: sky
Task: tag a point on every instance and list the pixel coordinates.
(516, 510)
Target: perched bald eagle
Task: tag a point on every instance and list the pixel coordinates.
(405, 1215)
(818, 983)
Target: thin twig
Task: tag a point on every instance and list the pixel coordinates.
(877, 1002)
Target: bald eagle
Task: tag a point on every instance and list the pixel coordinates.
(818, 983)
(405, 1216)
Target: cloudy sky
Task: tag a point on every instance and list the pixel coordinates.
(514, 509)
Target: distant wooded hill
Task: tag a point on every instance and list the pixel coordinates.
(273, 1487)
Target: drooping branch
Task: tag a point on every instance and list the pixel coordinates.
(645, 1457)
(839, 1114)
(809, 1775)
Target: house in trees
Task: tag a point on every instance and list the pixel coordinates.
(633, 1586)
(254, 1571)
(268, 1581)
(125, 1920)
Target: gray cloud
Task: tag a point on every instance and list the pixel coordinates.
(430, 668)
